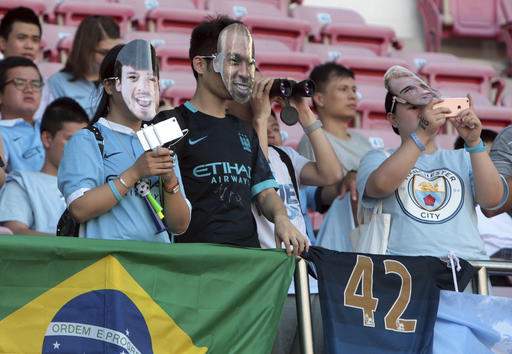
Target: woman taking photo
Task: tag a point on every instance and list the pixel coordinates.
(105, 183)
(430, 193)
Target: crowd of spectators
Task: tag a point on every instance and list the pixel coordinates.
(69, 145)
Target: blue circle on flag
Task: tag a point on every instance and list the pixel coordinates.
(101, 321)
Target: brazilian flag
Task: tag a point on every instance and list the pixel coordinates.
(66, 295)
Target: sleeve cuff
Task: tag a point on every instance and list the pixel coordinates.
(75, 195)
(258, 188)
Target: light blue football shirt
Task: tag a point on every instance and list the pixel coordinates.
(23, 149)
(433, 210)
(32, 198)
(86, 93)
(83, 168)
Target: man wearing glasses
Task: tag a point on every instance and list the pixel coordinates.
(20, 94)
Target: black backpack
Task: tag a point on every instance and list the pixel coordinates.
(67, 225)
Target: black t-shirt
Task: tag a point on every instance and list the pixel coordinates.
(222, 168)
(381, 304)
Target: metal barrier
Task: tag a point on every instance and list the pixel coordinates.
(303, 307)
(486, 268)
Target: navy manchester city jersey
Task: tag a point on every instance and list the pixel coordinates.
(380, 304)
(222, 168)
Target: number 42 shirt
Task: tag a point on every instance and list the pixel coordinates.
(381, 304)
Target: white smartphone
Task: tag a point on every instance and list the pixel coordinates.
(152, 136)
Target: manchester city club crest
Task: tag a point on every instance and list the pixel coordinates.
(245, 141)
(431, 197)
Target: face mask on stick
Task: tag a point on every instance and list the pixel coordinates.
(138, 83)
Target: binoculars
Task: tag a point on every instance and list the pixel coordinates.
(288, 89)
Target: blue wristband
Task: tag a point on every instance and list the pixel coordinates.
(114, 190)
(480, 147)
(417, 141)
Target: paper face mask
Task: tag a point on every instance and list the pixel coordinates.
(138, 83)
(408, 87)
(235, 62)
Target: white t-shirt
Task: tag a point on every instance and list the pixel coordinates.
(290, 199)
(496, 231)
(287, 194)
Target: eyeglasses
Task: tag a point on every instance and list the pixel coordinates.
(22, 84)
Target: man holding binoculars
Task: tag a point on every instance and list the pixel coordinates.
(223, 168)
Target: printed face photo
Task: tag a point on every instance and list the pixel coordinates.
(140, 92)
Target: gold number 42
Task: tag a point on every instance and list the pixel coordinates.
(362, 273)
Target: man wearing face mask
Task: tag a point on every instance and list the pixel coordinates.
(222, 165)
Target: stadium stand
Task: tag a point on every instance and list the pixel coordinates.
(343, 26)
(177, 16)
(71, 12)
(265, 21)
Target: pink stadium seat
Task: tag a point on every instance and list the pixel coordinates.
(167, 16)
(275, 59)
(418, 60)
(72, 12)
(177, 86)
(373, 115)
(462, 18)
(171, 48)
(48, 69)
(335, 52)
(344, 26)
(39, 6)
(506, 31)
(463, 76)
(53, 38)
(371, 92)
(265, 21)
(370, 69)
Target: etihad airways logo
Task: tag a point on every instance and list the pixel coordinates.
(224, 172)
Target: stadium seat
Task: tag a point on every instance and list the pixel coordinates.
(458, 18)
(265, 21)
(177, 86)
(72, 12)
(53, 40)
(418, 60)
(334, 52)
(275, 59)
(171, 48)
(167, 16)
(38, 6)
(343, 26)
(370, 69)
(47, 69)
(466, 76)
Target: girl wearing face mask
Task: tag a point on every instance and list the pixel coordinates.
(430, 193)
(101, 189)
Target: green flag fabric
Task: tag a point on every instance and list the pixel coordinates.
(67, 295)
